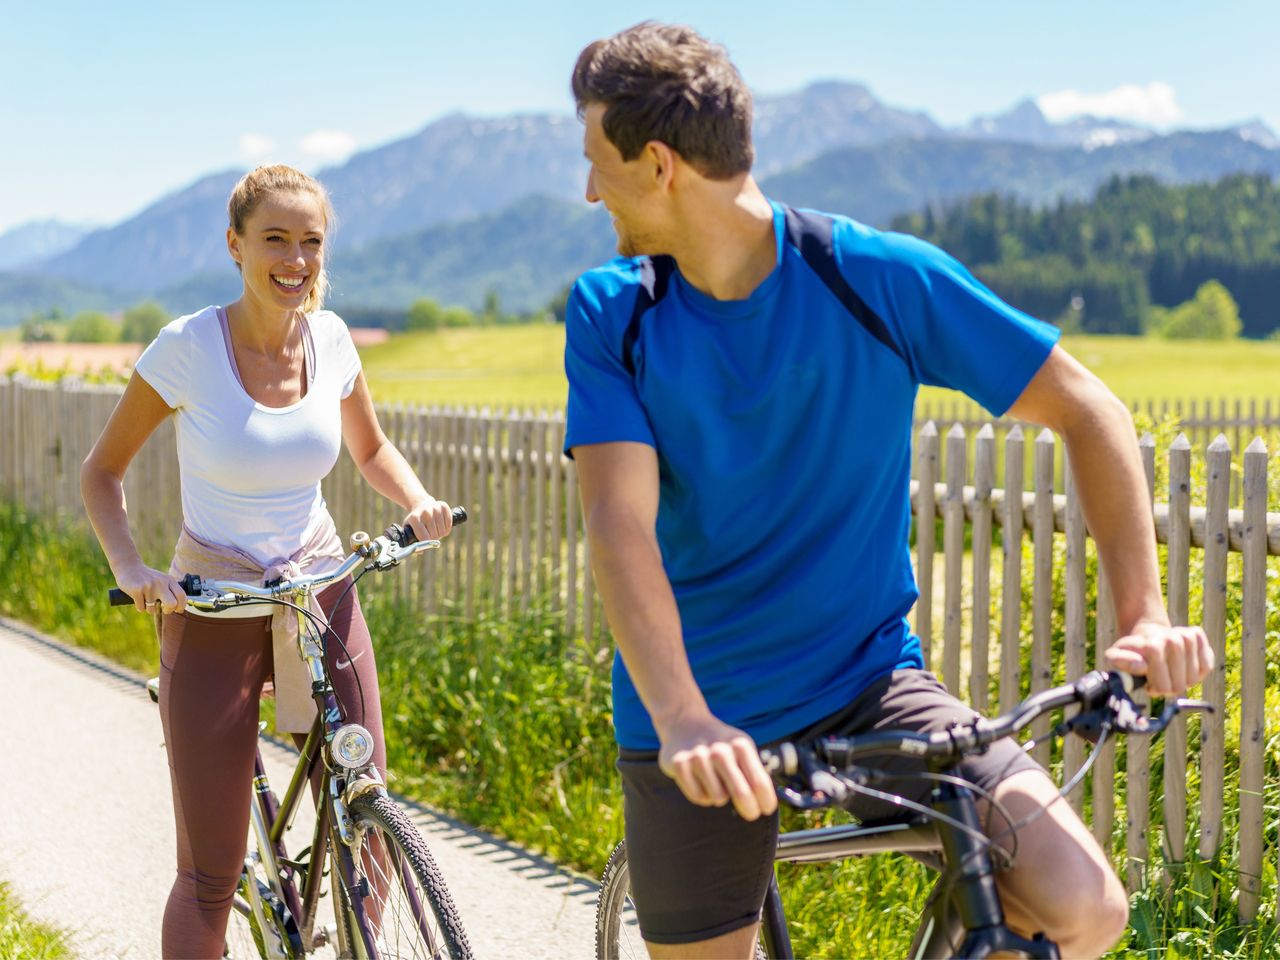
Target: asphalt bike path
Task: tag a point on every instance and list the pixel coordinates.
(86, 821)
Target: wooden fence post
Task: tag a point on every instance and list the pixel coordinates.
(1011, 591)
(984, 471)
(1042, 588)
(953, 558)
(1179, 568)
(927, 476)
(1075, 640)
(1213, 726)
(1138, 749)
(1253, 671)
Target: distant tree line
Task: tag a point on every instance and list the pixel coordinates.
(428, 314)
(138, 324)
(1134, 259)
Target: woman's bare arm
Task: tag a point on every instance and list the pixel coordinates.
(386, 469)
(134, 419)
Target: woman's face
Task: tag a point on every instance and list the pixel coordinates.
(281, 251)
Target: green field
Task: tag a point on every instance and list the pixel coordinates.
(523, 367)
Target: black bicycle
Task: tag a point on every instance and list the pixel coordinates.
(963, 916)
(389, 898)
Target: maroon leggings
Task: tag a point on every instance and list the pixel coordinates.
(211, 679)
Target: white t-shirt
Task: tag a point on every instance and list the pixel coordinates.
(251, 473)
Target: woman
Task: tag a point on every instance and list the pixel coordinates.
(264, 391)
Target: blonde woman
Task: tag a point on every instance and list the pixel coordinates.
(264, 391)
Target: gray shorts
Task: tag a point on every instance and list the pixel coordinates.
(700, 872)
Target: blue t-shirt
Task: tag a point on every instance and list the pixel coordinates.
(782, 425)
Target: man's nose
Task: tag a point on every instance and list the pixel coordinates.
(592, 196)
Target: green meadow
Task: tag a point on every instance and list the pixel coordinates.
(522, 366)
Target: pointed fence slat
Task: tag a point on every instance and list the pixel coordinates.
(1179, 600)
(953, 559)
(1011, 591)
(1213, 726)
(1075, 639)
(1042, 587)
(1104, 768)
(984, 471)
(926, 475)
(1253, 672)
(1138, 749)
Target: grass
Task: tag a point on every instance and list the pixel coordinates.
(522, 366)
(511, 366)
(22, 938)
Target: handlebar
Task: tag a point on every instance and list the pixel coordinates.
(376, 553)
(1103, 696)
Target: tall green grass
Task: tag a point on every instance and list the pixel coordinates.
(506, 724)
(22, 938)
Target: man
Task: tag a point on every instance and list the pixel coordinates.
(740, 406)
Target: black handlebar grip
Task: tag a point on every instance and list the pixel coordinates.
(118, 598)
(404, 536)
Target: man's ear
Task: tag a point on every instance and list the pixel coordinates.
(663, 162)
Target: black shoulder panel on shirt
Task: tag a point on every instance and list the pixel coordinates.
(813, 235)
(655, 276)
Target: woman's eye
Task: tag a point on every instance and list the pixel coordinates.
(273, 239)
(316, 241)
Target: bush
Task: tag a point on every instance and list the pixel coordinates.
(1211, 315)
(142, 322)
(90, 326)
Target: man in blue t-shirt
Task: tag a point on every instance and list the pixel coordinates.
(741, 385)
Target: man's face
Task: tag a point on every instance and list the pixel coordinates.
(626, 187)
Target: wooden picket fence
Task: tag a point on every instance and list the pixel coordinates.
(525, 546)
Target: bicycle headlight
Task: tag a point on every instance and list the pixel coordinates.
(352, 746)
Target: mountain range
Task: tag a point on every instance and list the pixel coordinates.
(471, 204)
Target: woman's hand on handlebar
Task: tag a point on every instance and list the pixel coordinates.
(430, 520)
(148, 586)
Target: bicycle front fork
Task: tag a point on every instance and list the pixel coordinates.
(972, 908)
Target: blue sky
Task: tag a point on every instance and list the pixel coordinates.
(105, 107)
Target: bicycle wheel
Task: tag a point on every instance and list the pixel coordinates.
(404, 908)
(617, 929)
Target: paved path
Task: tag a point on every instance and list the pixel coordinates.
(86, 826)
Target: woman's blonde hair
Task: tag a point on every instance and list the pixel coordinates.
(280, 178)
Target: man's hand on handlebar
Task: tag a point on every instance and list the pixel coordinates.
(1171, 658)
(714, 764)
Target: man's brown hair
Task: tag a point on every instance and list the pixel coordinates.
(668, 83)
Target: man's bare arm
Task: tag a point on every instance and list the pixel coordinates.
(1098, 433)
(712, 762)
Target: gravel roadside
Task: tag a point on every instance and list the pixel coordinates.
(86, 833)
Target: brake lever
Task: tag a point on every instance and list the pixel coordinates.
(1129, 720)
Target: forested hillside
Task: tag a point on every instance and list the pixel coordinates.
(1100, 264)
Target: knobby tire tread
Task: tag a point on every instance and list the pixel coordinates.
(383, 811)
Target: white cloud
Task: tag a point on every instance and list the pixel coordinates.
(255, 147)
(328, 145)
(1152, 103)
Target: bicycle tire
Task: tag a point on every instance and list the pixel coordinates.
(407, 910)
(617, 929)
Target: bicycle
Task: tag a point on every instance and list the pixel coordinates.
(963, 916)
(390, 899)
